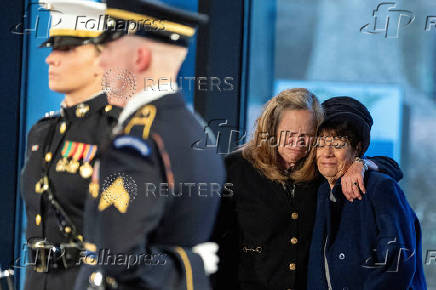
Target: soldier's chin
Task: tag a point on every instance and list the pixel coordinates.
(56, 87)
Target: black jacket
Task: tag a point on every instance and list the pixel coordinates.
(264, 229)
(88, 123)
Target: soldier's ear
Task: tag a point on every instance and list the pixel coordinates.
(143, 59)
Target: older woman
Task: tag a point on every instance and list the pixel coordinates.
(264, 227)
(374, 243)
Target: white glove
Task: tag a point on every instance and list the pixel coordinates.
(208, 253)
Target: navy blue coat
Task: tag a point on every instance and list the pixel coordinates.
(374, 243)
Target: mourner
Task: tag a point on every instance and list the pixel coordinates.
(374, 243)
(149, 195)
(264, 229)
(61, 149)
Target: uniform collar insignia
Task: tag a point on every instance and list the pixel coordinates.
(81, 110)
(142, 98)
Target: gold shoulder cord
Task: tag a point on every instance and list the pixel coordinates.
(188, 268)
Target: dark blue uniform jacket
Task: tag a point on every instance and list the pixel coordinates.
(157, 198)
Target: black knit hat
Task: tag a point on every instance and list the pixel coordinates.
(347, 109)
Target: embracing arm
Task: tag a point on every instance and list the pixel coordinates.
(353, 180)
(385, 165)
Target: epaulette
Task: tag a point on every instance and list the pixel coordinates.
(112, 111)
(52, 114)
(49, 116)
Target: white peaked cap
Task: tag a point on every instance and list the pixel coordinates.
(74, 19)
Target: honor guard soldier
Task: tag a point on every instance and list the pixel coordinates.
(154, 194)
(61, 148)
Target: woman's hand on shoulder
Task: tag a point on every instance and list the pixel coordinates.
(352, 182)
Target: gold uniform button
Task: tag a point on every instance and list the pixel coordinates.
(94, 188)
(294, 215)
(292, 267)
(90, 247)
(108, 108)
(81, 110)
(90, 260)
(63, 127)
(48, 157)
(38, 219)
(38, 188)
(294, 240)
(112, 282)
